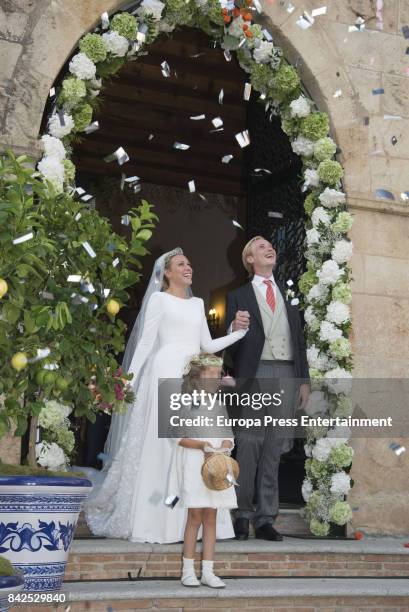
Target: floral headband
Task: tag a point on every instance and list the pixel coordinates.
(199, 360)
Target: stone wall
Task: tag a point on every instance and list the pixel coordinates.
(36, 38)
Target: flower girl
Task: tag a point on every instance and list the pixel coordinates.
(203, 372)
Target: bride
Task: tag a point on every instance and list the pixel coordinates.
(129, 503)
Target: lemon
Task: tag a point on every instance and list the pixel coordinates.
(3, 287)
(40, 377)
(61, 383)
(19, 361)
(113, 307)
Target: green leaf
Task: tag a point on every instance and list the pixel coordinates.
(144, 234)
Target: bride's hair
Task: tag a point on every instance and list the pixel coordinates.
(167, 264)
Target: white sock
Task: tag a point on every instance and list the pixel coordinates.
(208, 576)
(207, 567)
(189, 577)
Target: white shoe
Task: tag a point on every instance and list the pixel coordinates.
(190, 580)
(213, 581)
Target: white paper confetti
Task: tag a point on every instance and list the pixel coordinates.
(192, 186)
(106, 292)
(52, 92)
(267, 35)
(290, 8)
(165, 69)
(319, 11)
(24, 238)
(125, 220)
(237, 224)
(305, 22)
(404, 196)
(221, 96)
(337, 93)
(227, 55)
(392, 117)
(105, 20)
(74, 278)
(92, 127)
(89, 249)
(226, 159)
(120, 155)
(77, 217)
(398, 449)
(198, 117)
(181, 146)
(247, 91)
(217, 122)
(243, 138)
(272, 214)
(115, 262)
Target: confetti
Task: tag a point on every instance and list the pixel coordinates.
(125, 220)
(378, 91)
(404, 196)
(92, 127)
(385, 194)
(181, 146)
(261, 171)
(105, 20)
(24, 238)
(74, 278)
(243, 138)
(79, 191)
(86, 198)
(165, 69)
(120, 155)
(88, 287)
(89, 249)
(290, 8)
(290, 282)
(267, 35)
(359, 25)
(106, 292)
(198, 117)
(398, 449)
(305, 21)
(217, 122)
(52, 92)
(77, 217)
(192, 186)
(337, 93)
(226, 159)
(319, 11)
(195, 55)
(247, 91)
(272, 214)
(51, 366)
(47, 295)
(392, 117)
(41, 354)
(221, 96)
(227, 55)
(151, 136)
(237, 224)
(217, 130)
(115, 262)
(257, 5)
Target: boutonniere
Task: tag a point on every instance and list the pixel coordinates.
(290, 294)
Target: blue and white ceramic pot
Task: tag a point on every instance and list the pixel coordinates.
(38, 515)
(9, 585)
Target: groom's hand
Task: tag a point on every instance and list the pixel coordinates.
(241, 320)
(304, 395)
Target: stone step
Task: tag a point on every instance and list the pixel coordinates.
(105, 559)
(257, 595)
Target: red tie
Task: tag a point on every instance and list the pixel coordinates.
(270, 297)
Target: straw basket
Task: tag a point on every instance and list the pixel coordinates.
(215, 471)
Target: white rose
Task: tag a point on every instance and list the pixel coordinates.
(316, 360)
(303, 146)
(300, 107)
(53, 171)
(53, 147)
(340, 483)
(331, 198)
(115, 43)
(50, 456)
(338, 313)
(329, 273)
(306, 489)
(328, 332)
(82, 67)
(313, 236)
(320, 215)
(309, 315)
(339, 381)
(311, 178)
(342, 251)
(151, 7)
(262, 53)
(56, 129)
(317, 292)
(317, 403)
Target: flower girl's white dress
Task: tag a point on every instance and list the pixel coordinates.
(130, 502)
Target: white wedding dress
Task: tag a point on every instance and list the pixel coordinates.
(130, 502)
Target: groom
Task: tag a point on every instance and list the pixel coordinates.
(272, 349)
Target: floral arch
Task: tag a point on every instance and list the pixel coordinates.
(325, 285)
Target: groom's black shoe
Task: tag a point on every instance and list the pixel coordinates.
(267, 532)
(241, 528)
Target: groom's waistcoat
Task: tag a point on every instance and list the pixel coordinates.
(277, 332)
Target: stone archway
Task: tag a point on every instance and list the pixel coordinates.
(44, 34)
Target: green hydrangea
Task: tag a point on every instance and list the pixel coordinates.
(315, 325)
(257, 32)
(340, 513)
(290, 126)
(319, 528)
(324, 148)
(315, 500)
(340, 348)
(341, 292)
(214, 12)
(245, 59)
(69, 171)
(52, 415)
(73, 90)
(110, 67)
(286, 81)
(342, 223)
(82, 116)
(66, 439)
(180, 12)
(94, 47)
(344, 406)
(316, 469)
(306, 281)
(262, 77)
(314, 126)
(330, 172)
(309, 204)
(341, 456)
(125, 24)
(314, 373)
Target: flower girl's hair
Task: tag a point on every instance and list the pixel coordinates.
(194, 368)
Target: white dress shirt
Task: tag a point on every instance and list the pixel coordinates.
(258, 283)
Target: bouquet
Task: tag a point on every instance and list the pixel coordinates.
(118, 394)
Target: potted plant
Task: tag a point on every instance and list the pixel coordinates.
(64, 275)
(11, 582)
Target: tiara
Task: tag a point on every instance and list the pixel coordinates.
(200, 360)
(168, 256)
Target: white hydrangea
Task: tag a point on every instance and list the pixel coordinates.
(320, 215)
(306, 489)
(311, 178)
(322, 449)
(338, 313)
(316, 360)
(317, 292)
(151, 7)
(328, 332)
(339, 381)
(317, 403)
(115, 43)
(329, 273)
(340, 483)
(50, 456)
(303, 146)
(342, 251)
(56, 129)
(262, 53)
(331, 198)
(339, 434)
(313, 236)
(53, 147)
(236, 27)
(52, 170)
(300, 107)
(309, 315)
(82, 67)
(53, 415)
